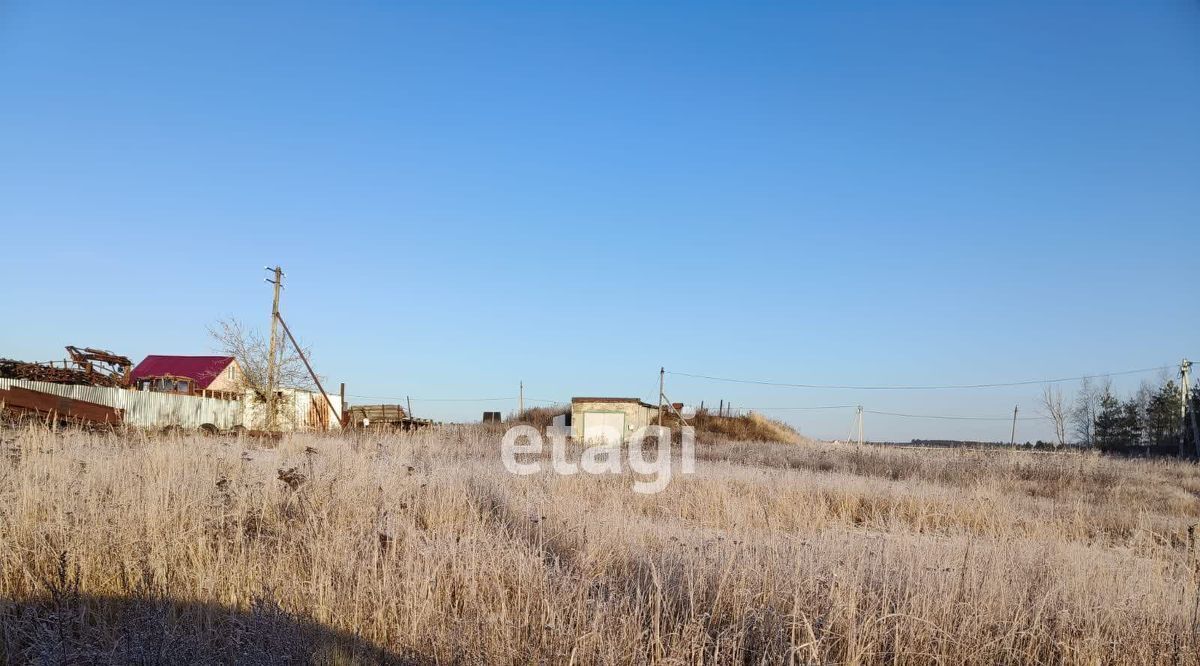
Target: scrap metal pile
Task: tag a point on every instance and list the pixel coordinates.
(93, 367)
(102, 367)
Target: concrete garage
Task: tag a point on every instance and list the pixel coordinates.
(609, 420)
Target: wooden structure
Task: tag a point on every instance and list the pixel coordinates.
(374, 417)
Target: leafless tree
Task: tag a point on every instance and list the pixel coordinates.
(252, 353)
(1142, 400)
(1087, 407)
(1056, 410)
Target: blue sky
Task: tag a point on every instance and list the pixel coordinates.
(465, 196)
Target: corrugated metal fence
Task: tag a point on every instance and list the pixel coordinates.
(146, 409)
(298, 410)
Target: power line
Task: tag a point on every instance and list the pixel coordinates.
(957, 418)
(929, 387)
(911, 416)
(799, 408)
(464, 399)
(390, 397)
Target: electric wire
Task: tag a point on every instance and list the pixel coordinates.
(391, 397)
(919, 387)
(1006, 419)
(799, 408)
(901, 414)
(894, 387)
(402, 398)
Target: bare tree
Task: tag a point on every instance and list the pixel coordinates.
(1087, 407)
(1140, 402)
(250, 350)
(1056, 410)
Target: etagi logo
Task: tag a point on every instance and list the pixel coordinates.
(602, 457)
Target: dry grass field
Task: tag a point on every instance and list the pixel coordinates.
(421, 548)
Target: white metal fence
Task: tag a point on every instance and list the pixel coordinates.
(146, 409)
(300, 410)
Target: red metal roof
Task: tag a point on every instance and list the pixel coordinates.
(202, 369)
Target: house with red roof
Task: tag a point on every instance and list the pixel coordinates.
(188, 375)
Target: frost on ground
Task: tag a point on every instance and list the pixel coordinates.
(420, 548)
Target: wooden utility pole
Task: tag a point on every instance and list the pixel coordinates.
(271, 349)
(521, 400)
(408, 401)
(662, 373)
(342, 396)
(1012, 439)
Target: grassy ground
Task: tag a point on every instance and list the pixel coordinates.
(420, 548)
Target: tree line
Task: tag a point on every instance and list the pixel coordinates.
(1096, 417)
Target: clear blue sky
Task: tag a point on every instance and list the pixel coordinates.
(465, 196)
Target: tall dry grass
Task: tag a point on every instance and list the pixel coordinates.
(749, 427)
(540, 417)
(420, 548)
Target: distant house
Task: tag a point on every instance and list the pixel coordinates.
(609, 420)
(188, 375)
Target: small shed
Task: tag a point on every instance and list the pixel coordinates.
(609, 420)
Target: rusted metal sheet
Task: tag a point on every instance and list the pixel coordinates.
(26, 400)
